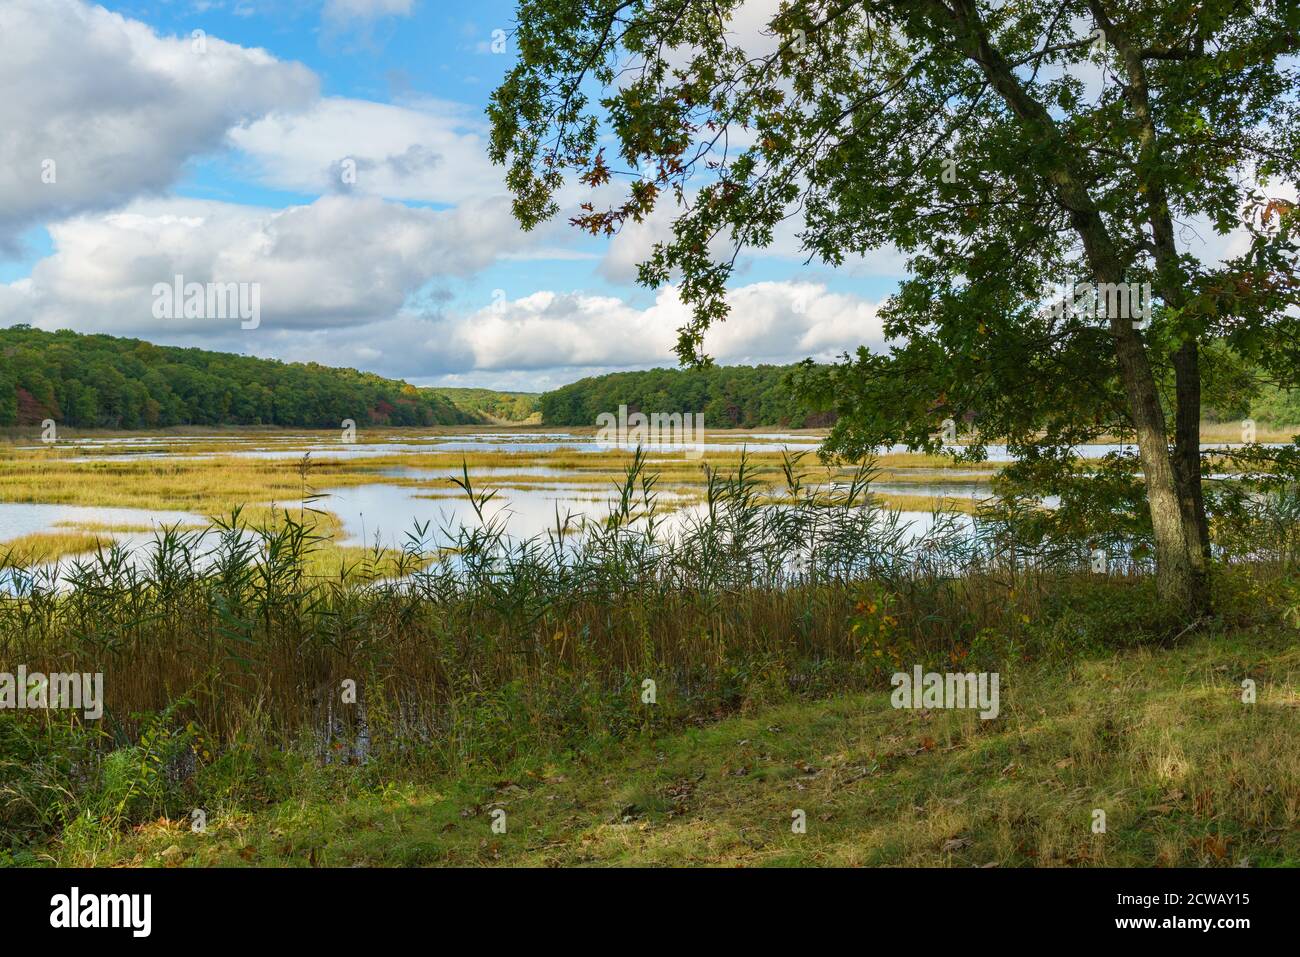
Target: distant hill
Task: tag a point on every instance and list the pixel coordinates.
(103, 381)
(100, 381)
(727, 397)
(521, 407)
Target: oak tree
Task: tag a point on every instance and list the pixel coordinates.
(1008, 149)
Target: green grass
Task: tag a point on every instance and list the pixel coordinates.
(1158, 738)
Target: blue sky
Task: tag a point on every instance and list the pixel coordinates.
(220, 157)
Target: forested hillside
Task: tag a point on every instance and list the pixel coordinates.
(727, 396)
(102, 381)
(747, 396)
(493, 405)
(106, 382)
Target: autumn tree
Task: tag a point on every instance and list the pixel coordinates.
(1007, 149)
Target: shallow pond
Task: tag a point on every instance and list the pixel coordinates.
(390, 511)
(521, 443)
(23, 518)
(387, 513)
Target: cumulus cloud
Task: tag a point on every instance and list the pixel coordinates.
(352, 278)
(101, 109)
(774, 322)
(1197, 235)
(548, 338)
(347, 280)
(339, 261)
(427, 150)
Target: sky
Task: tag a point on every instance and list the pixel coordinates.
(333, 152)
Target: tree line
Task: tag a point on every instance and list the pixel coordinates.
(727, 397)
(99, 381)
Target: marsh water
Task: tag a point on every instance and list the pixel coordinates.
(383, 506)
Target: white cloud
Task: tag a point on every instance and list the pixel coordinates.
(339, 261)
(351, 278)
(351, 281)
(769, 322)
(116, 108)
(429, 150)
(1198, 237)
(548, 338)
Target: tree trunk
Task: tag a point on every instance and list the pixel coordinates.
(1172, 282)
(1180, 566)
(1187, 471)
(1177, 512)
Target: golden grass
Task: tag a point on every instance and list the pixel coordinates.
(327, 560)
(928, 503)
(214, 485)
(217, 483)
(352, 563)
(1232, 432)
(120, 527)
(41, 548)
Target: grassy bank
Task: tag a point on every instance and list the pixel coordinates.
(1158, 738)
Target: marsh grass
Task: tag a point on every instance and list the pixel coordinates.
(1232, 432)
(219, 481)
(227, 651)
(43, 547)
